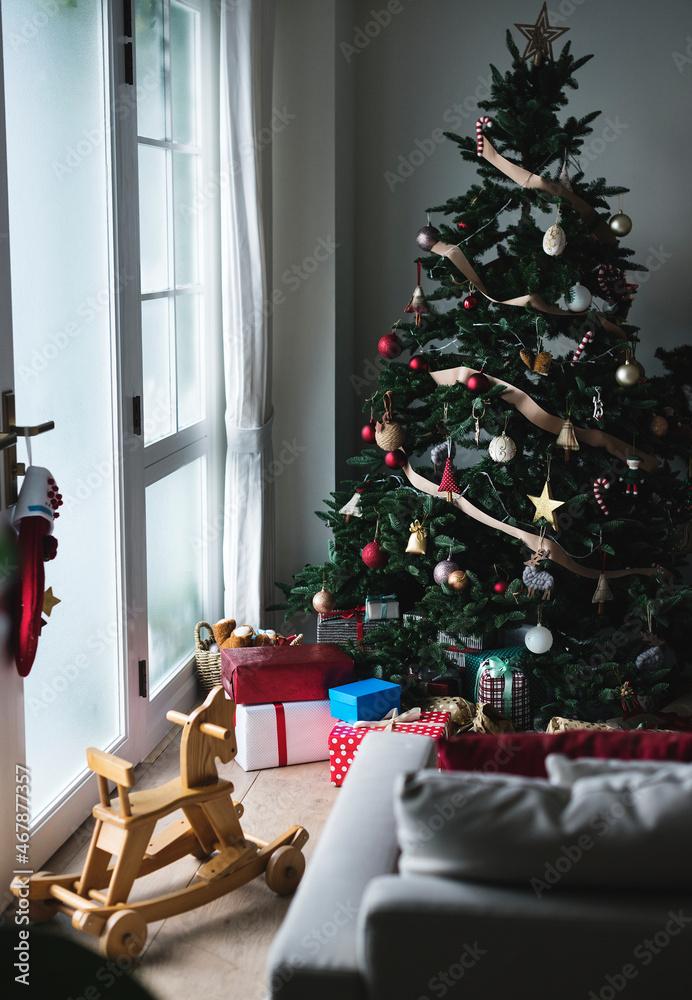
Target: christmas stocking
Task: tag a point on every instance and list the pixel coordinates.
(33, 518)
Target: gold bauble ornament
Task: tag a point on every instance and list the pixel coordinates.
(323, 601)
(628, 374)
(458, 580)
(620, 224)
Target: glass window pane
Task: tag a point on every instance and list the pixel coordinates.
(184, 34)
(185, 167)
(189, 360)
(175, 568)
(59, 192)
(157, 370)
(153, 218)
(149, 55)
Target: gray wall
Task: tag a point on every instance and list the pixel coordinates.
(367, 95)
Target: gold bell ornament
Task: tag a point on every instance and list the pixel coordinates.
(567, 438)
(418, 539)
(418, 303)
(602, 593)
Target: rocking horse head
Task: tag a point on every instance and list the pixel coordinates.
(208, 734)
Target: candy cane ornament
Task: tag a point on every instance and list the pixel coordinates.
(586, 339)
(483, 120)
(597, 493)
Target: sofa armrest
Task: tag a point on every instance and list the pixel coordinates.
(421, 936)
(314, 953)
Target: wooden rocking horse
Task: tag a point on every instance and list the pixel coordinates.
(96, 899)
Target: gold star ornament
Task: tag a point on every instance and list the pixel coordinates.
(541, 36)
(49, 601)
(545, 505)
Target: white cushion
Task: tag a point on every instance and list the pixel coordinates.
(565, 770)
(626, 830)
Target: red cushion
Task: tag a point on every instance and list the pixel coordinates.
(524, 753)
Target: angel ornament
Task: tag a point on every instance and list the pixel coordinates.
(536, 578)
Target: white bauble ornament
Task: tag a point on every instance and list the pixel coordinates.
(502, 448)
(579, 298)
(538, 639)
(627, 374)
(554, 241)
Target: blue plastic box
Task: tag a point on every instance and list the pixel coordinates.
(364, 701)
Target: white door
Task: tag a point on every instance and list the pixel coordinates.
(113, 310)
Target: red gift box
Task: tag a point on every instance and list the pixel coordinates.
(344, 740)
(252, 675)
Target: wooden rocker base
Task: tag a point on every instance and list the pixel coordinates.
(96, 899)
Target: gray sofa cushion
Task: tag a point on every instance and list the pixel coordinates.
(525, 831)
(313, 956)
(565, 770)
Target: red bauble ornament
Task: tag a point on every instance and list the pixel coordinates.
(373, 556)
(395, 459)
(501, 587)
(368, 432)
(418, 364)
(478, 382)
(390, 346)
(470, 302)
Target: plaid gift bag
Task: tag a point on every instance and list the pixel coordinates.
(506, 689)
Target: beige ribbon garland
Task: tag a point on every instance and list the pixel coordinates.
(524, 178)
(536, 301)
(546, 421)
(534, 542)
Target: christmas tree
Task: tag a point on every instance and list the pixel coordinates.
(531, 484)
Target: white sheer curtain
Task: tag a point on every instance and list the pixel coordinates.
(248, 546)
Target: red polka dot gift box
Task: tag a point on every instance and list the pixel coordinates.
(344, 740)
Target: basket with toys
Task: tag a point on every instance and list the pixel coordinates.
(227, 634)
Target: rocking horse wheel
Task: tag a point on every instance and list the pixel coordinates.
(285, 870)
(124, 935)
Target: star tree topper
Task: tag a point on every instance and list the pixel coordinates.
(541, 36)
(545, 505)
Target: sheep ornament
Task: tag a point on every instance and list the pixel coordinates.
(537, 579)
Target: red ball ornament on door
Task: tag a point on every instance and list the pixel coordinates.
(373, 556)
(395, 459)
(501, 587)
(368, 432)
(478, 382)
(390, 346)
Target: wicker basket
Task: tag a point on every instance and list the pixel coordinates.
(208, 664)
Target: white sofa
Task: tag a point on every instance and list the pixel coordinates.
(356, 928)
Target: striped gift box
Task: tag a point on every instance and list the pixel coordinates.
(342, 625)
